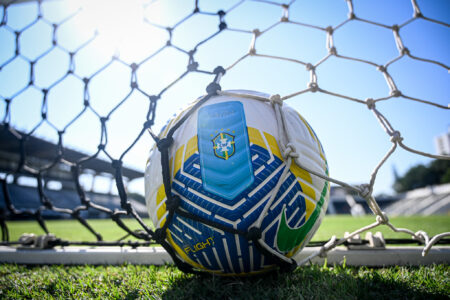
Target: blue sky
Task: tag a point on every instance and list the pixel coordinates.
(352, 137)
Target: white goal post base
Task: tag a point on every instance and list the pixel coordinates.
(392, 256)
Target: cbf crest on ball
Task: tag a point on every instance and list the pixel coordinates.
(225, 165)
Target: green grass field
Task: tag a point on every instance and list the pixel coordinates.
(167, 282)
(331, 225)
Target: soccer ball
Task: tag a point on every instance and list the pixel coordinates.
(224, 164)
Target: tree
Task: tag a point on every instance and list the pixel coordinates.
(436, 172)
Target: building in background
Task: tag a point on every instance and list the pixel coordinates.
(442, 143)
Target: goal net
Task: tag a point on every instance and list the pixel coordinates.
(85, 85)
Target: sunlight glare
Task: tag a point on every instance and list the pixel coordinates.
(118, 23)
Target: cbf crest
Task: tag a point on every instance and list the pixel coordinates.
(223, 145)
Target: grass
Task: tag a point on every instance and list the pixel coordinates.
(72, 229)
(331, 225)
(337, 225)
(167, 282)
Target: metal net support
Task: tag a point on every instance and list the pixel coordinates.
(146, 234)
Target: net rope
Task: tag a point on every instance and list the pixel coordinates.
(147, 235)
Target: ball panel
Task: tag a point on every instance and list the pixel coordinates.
(305, 141)
(242, 215)
(220, 252)
(202, 203)
(298, 200)
(224, 149)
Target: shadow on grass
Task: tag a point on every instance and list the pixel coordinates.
(308, 283)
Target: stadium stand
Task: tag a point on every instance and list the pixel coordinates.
(345, 202)
(431, 200)
(40, 153)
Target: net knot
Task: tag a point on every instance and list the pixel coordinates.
(290, 151)
(76, 213)
(164, 143)
(154, 98)
(329, 30)
(219, 70)
(332, 51)
(192, 66)
(328, 246)
(27, 239)
(127, 206)
(396, 93)
(405, 51)
(364, 191)
(396, 137)
(418, 14)
(116, 164)
(381, 68)
(254, 233)
(382, 219)
(48, 204)
(134, 66)
(173, 203)
(159, 235)
(285, 17)
(256, 32)
(192, 52)
(313, 87)
(310, 67)
(276, 99)
(222, 26)
(212, 88)
(421, 236)
(370, 103)
(115, 216)
(148, 124)
(46, 241)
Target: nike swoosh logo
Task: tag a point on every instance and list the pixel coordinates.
(288, 238)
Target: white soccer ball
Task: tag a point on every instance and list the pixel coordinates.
(224, 164)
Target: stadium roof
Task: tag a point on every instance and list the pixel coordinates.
(40, 152)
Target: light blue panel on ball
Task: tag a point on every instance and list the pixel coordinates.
(225, 159)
